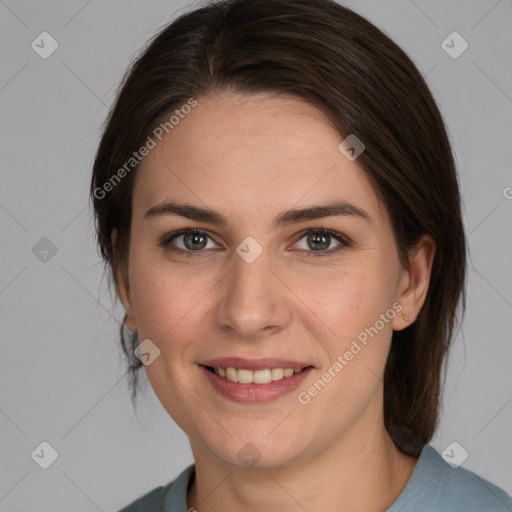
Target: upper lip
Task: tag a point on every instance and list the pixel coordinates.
(254, 364)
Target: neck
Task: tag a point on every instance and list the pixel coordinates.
(360, 470)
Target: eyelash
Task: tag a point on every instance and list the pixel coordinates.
(344, 242)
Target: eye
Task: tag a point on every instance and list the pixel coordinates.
(187, 241)
(317, 242)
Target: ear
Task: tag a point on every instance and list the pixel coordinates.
(123, 288)
(414, 283)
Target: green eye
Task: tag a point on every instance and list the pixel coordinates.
(318, 242)
(190, 241)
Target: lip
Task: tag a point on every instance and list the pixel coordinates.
(255, 393)
(254, 364)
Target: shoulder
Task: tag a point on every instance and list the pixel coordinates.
(152, 501)
(168, 498)
(471, 492)
(436, 486)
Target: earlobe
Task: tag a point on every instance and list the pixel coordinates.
(415, 282)
(122, 286)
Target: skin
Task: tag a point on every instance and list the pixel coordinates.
(251, 159)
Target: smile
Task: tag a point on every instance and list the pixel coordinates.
(254, 386)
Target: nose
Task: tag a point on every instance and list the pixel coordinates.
(255, 300)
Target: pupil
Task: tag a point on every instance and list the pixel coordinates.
(195, 240)
(320, 240)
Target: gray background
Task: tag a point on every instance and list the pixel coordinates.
(62, 377)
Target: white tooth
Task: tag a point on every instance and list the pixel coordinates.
(232, 374)
(257, 377)
(245, 376)
(277, 373)
(262, 376)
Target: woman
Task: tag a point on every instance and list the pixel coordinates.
(276, 197)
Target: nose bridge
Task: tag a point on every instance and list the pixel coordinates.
(253, 298)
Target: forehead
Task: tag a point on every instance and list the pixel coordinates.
(249, 153)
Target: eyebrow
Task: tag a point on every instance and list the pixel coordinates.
(336, 208)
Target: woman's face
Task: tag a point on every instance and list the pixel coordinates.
(258, 286)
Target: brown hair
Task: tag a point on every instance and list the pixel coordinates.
(365, 84)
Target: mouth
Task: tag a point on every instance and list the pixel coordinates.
(254, 380)
(246, 376)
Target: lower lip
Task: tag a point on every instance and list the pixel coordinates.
(255, 393)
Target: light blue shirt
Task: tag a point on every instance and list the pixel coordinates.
(434, 486)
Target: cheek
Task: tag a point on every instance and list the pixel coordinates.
(355, 312)
(348, 300)
(163, 300)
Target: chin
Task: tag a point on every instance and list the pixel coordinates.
(256, 452)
